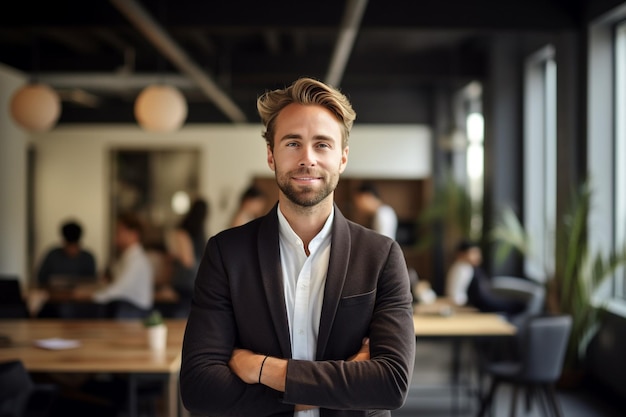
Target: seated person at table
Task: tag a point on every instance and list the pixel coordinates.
(132, 277)
(69, 261)
(468, 284)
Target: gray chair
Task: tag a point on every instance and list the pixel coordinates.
(20, 396)
(543, 341)
(532, 293)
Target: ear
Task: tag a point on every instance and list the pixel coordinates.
(270, 158)
(344, 159)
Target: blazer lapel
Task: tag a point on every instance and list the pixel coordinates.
(272, 276)
(335, 278)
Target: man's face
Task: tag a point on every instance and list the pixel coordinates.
(475, 256)
(124, 237)
(307, 158)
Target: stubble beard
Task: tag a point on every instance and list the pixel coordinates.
(305, 196)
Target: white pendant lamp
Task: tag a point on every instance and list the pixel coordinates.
(36, 107)
(160, 108)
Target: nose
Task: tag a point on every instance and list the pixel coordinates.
(308, 157)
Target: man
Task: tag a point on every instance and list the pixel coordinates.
(468, 284)
(132, 277)
(300, 312)
(70, 261)
(383, 217)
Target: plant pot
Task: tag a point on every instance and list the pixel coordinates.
(157, 337)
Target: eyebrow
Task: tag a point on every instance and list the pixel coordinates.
(289, 136)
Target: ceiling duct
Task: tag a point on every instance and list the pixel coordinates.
(177, 56)
(347, 34)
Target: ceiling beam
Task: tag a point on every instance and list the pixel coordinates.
(107, 81)
(177, 56)
(347, 34)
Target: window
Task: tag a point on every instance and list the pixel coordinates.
(620, 150)
(606, 147)
(540, 161)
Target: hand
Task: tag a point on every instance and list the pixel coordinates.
(364, 353)
(82, 293)
(301, 407)
(246, 365)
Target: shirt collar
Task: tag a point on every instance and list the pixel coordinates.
(287, 234)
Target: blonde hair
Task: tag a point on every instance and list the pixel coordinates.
(305, 91)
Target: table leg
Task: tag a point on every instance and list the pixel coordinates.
(172, 395)
(132, 395)
(456, 369)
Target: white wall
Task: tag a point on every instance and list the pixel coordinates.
(13, 142)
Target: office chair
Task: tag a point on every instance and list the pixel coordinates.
(20, 396)
(543, 341)
(12, 304)
(532, 293)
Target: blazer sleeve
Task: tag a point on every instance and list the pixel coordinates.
(207, 385)
(383, 381)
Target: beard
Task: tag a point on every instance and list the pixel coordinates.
(306, 196)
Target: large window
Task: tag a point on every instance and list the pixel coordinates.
(540, 162)
(620, 149)
(606, 147)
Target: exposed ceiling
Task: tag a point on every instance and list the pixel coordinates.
(387, 55)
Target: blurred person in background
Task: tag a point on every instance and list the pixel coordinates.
(131, 275)
(383, 217)
(468, 284)
(251, 205)
(68, 261)
(185, 247)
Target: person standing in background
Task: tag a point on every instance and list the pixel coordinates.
(383, 217)
(69, 260)
(185, 247)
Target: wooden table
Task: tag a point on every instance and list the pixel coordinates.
(462, 325)
(106, 346)
(459, 325)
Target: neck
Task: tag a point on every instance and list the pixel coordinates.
(306, 222)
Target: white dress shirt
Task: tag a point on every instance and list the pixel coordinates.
(133, 279)
(458, 280)
(385, 221)
(304, 281)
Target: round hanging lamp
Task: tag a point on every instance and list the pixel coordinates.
(160, 108)
(36, 107)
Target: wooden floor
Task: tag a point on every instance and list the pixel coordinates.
(431, 395)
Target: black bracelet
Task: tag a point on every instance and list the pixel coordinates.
(261, 370)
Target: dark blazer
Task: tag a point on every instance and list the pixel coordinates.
(238, 302)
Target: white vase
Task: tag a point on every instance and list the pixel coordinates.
(157, 337)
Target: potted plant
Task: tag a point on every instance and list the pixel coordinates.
(579, 274)
(157, 330)
(448, 218)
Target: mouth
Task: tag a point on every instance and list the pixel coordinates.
(305, 177)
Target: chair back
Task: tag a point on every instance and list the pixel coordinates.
(544, 345)
(16, 387)
(12, 304)
(531, 292)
